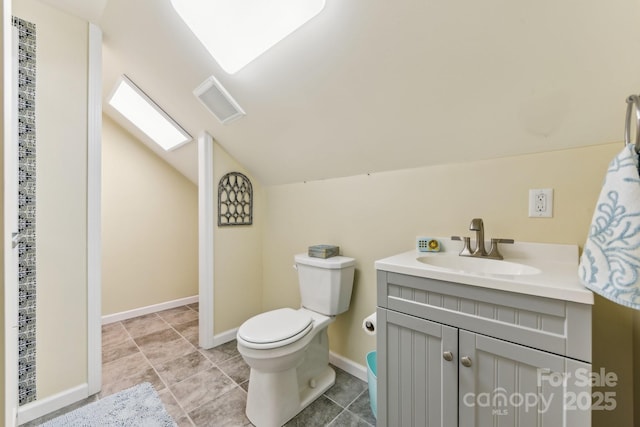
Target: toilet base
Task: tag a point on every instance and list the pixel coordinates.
(285, 380)
(324, 382)
(276, 407)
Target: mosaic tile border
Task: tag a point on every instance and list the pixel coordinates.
(26, 210)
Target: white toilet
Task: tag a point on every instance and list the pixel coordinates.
(288, 350)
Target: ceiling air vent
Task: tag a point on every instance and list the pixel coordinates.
(218, 101)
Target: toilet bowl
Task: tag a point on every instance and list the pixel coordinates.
(288, 350)
(287, 373)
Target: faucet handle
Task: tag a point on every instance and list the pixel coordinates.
(466, 250)
(502, 240)
(494, 253)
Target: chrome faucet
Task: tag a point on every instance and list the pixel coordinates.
(477, 225)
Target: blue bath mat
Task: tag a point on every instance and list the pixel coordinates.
(137, 406)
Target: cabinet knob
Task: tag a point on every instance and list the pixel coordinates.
(448, 356)
(466, 361)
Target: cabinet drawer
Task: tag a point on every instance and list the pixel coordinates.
(556, 326)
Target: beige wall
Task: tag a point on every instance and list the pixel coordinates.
(238, 256)
(61, 197)
(377, 215)
(149, 226)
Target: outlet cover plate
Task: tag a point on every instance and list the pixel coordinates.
(541, 203)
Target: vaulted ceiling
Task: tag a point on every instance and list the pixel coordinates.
(375, 85)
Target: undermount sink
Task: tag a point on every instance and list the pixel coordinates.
(471, 265)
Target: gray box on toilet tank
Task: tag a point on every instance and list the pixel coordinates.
(324, 251)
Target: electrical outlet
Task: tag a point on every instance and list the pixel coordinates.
(541, 203)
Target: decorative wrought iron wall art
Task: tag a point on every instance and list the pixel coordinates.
(235, 200)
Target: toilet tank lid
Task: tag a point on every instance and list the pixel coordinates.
(330, 263)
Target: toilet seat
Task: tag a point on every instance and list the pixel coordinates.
(275, 328)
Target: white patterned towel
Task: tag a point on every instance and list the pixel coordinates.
(610, 262)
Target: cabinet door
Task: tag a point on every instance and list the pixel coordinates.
(506, 384)
(417, 381)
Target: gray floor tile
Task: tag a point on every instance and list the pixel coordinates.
(144, 325)
(155, 337)
(111, 352)
(189, 330)
(172, 406)
(193, 339)
(195, 306)
(183, 421)
(201, 388)
(348, 419)
(236, 368)
(226, 410)
(178, 315)
(346, 389)
(127, 372)
(362, 408)
(320, 413)
(114, 333)
(183, 367)
(222, 352)
(163, 346)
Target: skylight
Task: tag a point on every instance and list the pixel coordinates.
(236, 32)
(146, 115)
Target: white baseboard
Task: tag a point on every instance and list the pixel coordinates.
(225, 337)
(349, 366)
(129, 314)
(41, 407)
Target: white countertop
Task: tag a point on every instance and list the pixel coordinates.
(558, 265)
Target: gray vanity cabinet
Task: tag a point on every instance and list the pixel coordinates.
(457, 355)
(420, 385)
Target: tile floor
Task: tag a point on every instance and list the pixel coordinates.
(205, 387)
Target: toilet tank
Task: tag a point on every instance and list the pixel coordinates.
(325, 284)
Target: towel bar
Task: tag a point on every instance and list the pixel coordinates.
(632, 101)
